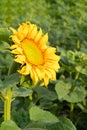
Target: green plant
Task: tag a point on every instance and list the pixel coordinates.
(64, 101)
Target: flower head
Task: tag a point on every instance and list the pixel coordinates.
(37, 59)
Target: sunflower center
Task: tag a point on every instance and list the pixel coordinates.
(32, 52)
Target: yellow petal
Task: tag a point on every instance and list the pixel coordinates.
(15, 39)
(51, 50)
(43, 40)
(34, 76)
(52, 65)
(20, 29)
(38, 71)
(46, 80)
(17, 51)
(20, 59)
(13, 30)
(52, 57)
(52, 73)
(33, 32)
(30, 29)
(23, 31)
(25, 69)
(13, 46)
(38, 35)
(20, 36)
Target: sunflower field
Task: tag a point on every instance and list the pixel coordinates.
(43, 65)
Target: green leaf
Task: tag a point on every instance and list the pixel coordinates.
(77, 95)
(4, 46)
(37, 114)
(82, 119)
(34, 125)
(65, 124)
(22, 92)
(65, 92)
(5, 57)
(62, 88)
(81, 69)
(11, 80)
(34, 129)
(9, 125)
(4, 34)
(45, 93)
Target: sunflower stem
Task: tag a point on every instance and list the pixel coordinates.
(7, 104)
(8, 97)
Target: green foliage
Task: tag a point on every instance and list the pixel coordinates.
(66, 23)
(45, 93)
(5, 59)
(4, 34)
(34, 129)
(6, 125)
(63, 124)
(82, 118)
(9, 82)
(22, 92)
(66, 92)
(37, 114)
(20, 116)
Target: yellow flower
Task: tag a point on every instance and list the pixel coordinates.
(37, 59)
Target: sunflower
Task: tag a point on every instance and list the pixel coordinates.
(37, 59)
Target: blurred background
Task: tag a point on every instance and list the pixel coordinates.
(64, 20)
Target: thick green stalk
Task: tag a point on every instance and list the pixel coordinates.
(8, 96)
(7, 104)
